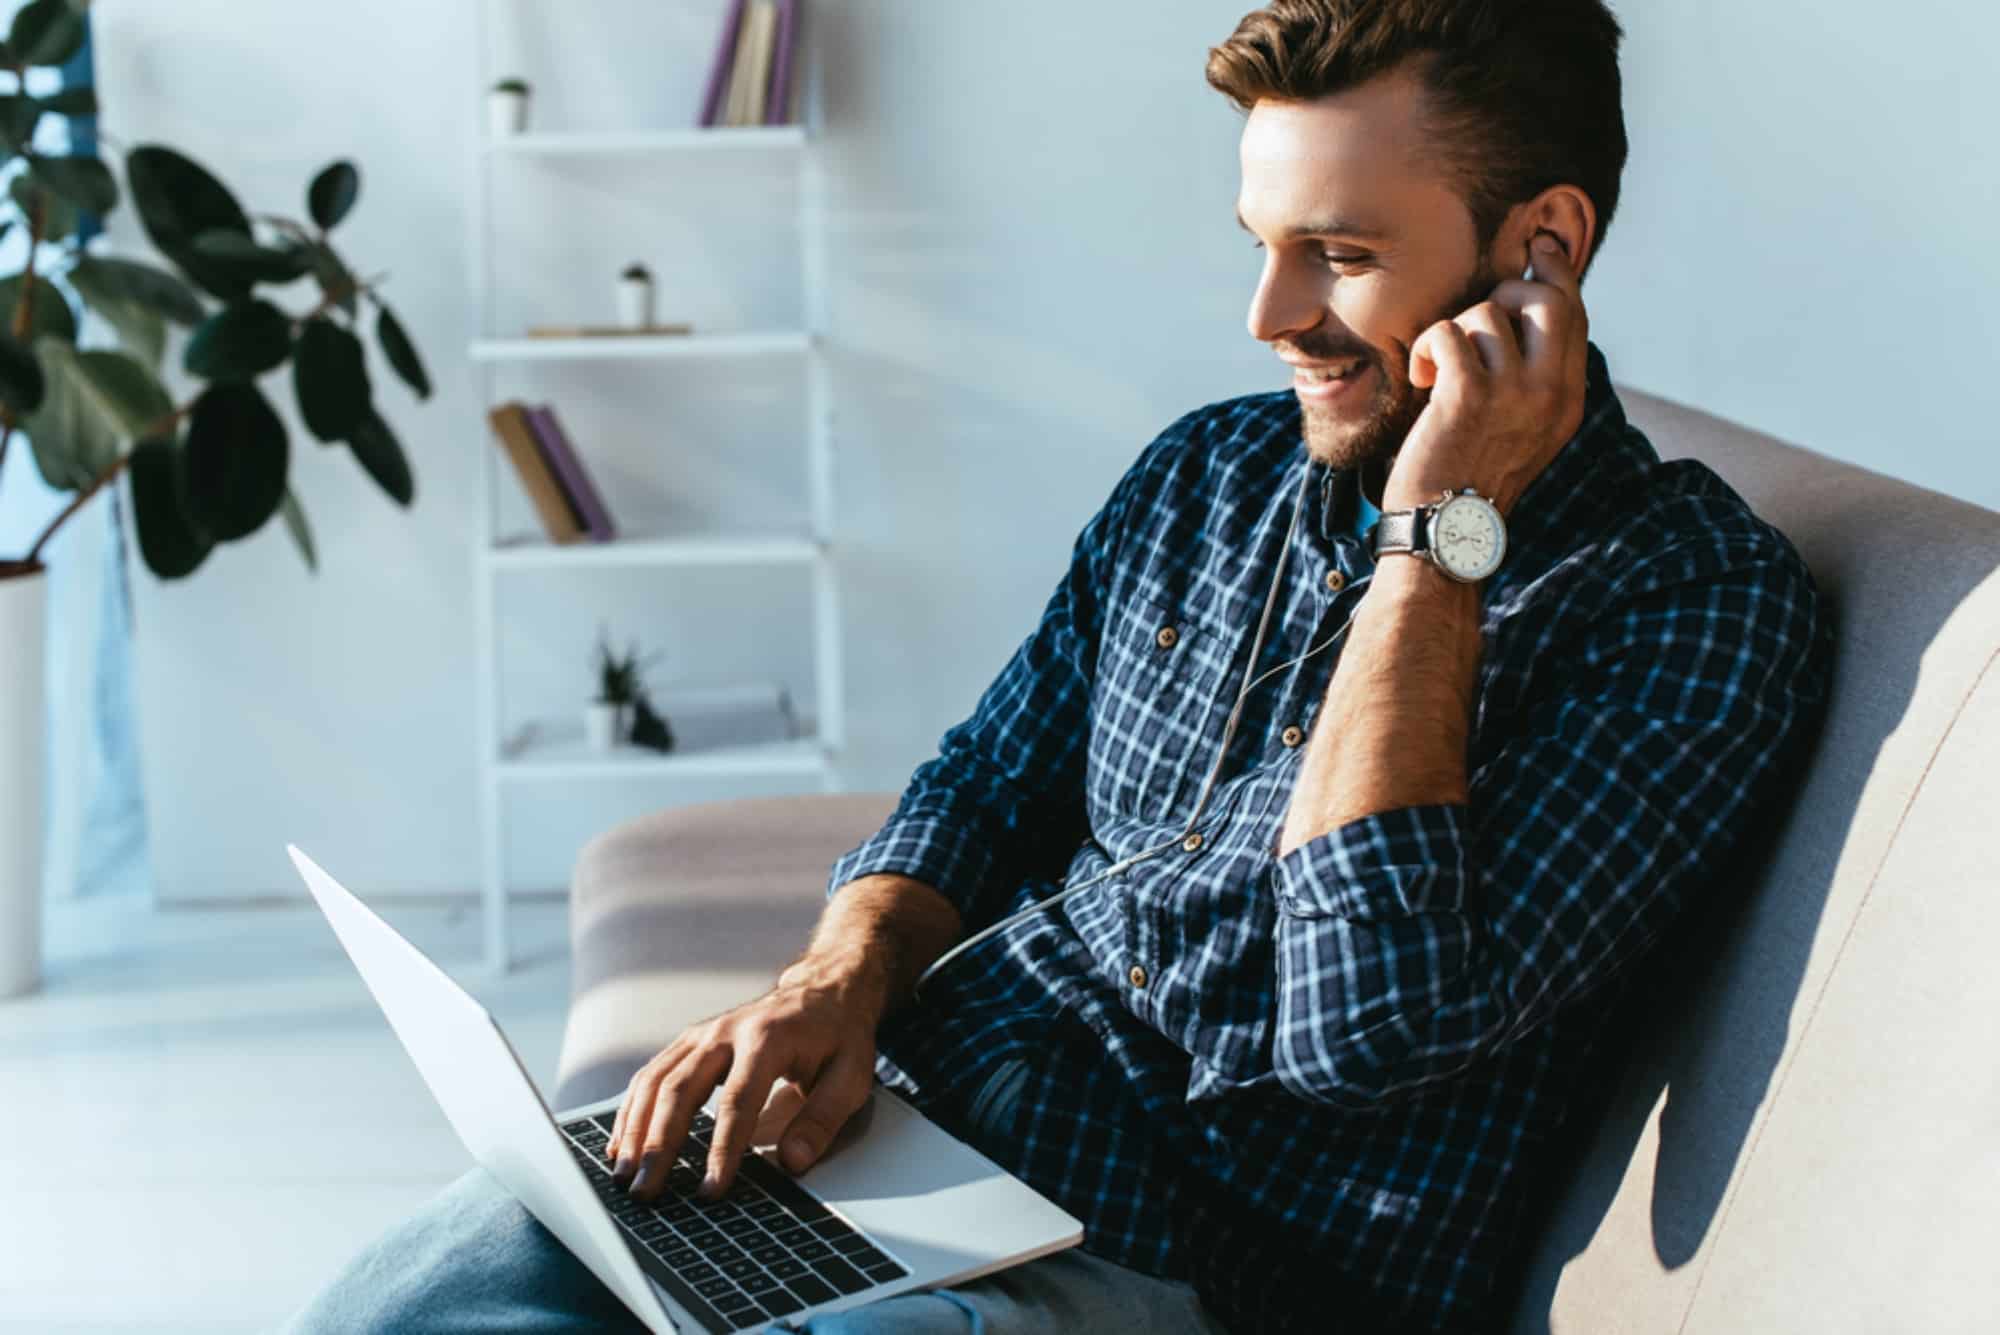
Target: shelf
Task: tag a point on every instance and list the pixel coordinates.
(613, 346)
(592, 143)
(566, 756)
(538, 554)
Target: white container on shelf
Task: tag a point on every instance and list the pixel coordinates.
(635, 301)
(606, 725)
(506, 112)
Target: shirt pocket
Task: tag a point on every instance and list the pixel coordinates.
(1157, 711)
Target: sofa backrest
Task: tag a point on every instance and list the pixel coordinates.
(1806, 1136)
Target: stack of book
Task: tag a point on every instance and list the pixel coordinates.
(750, 79)
(553, 476)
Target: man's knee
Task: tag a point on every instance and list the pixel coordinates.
(471, 1250)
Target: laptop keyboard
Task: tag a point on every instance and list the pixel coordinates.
(765, 1250)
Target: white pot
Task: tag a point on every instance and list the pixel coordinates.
(506, 112)
(23, 623)
(635, 302)
(605, 726)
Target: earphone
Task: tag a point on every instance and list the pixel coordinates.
(1201, 801)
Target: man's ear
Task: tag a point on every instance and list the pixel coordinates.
(1562, 211)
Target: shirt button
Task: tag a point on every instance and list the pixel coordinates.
(1138, 976)
(1192, 842)
(1168, 637)
(1294, 735)
(1335, 581)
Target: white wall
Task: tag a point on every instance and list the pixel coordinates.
(1034, 269)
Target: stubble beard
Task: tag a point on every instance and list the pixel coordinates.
(1345, 439)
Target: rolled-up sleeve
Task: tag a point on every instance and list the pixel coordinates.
(1414, 942)
(1003, 798)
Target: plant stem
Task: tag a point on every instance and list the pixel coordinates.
(152, 431)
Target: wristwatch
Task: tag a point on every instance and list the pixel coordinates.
(1462, 534)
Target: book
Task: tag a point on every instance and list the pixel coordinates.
(713, 94)
(709, 716)
(510, 423)
(763, 21)
(570, 472)
(605, 330)
(753, 64)
(737, 102)
(778, 110)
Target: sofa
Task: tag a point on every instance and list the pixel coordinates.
(1804, 1131)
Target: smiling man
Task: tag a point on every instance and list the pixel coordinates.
(1271, 904)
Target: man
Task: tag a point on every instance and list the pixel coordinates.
(1296, 1061)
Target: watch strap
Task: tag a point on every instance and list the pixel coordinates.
(1403, 531)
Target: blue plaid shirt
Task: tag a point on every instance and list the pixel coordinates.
(1319, 1086)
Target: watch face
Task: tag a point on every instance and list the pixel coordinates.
(1469, 537)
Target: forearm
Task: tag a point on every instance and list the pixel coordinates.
(877, 934)
(1398, 713)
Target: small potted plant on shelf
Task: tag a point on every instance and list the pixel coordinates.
(607, 720)
(507, 107)
(635, 296)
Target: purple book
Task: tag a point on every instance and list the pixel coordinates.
(776, 105)
(718, 69)
(570, 472)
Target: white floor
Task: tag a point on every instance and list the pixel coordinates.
(202, 1113)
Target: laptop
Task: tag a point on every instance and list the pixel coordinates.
(899, 1204)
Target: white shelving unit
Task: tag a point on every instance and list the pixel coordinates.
(539, 754)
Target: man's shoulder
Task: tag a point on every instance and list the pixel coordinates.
(1690, 523)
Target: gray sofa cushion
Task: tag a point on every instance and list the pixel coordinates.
(688, 911)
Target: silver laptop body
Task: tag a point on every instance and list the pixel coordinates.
(929, 1210)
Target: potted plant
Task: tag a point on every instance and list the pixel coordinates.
(635, 296)
(607, 719)
(507, 107)
(211, 469)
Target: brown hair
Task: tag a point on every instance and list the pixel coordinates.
(1522, 94)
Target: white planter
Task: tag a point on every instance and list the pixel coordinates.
(605, 726)
(635, 302)
(506, 112)
(23, 604)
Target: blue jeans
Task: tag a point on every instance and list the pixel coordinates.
(474, 1259)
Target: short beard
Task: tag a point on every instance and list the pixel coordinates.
(1343, 442)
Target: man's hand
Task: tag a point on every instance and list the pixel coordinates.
(1501, 408)
(816, 1028)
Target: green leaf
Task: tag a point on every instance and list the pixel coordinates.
(18, 116)
(239, 342)
(237, 456)
(59, 216)
(301, 531)
(80, 101)
(46, 32)
(50, 315)
(336, 283)
(124, 392)
(330, 379)
(81, 178)
(177, 200)
(379, 452)
(251, 259)
(332, 193)
(73, 439)
(402, 353)
(170, 540)
(107, 276)
(22, 383)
